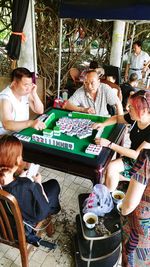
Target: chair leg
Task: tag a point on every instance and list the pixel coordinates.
(47, 225)
(24, 256)
(50, 229)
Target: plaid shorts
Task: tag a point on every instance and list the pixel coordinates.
(128, 164)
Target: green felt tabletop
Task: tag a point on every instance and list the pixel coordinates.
(79, 144)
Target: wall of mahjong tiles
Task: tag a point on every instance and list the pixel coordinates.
(80, 145)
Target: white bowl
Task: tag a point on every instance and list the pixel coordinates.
(118, 196)
(90, 219)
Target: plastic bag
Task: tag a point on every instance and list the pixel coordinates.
(99, 201)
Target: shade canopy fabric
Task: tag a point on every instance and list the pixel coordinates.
(100, 9)
(19, 12)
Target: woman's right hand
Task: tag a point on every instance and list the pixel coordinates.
(97, 126)
(102, 141)
(37, 178)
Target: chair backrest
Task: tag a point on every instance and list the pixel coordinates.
(10, 216)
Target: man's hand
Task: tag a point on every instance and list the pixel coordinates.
(34, 89)
(38, 125)
(89, 110)
(126, 77)
(34, 101)
(145, 69)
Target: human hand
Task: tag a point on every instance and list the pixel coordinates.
(145, 69)
(38, 125)
(102, 142)
(97, 126)
(97, 141)
(89, 110)
(37, 178)
(126, 77)
(34, 89)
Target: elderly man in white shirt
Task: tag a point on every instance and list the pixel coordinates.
(93, 97)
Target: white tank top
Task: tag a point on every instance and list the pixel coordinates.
(20, 108)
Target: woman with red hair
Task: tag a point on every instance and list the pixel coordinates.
(36, 200)
(138, 117)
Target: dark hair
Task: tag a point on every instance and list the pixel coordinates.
(19, 73)
(10, 149)
(133, 77)
(93, 64)
(139, 43)
(141, 100)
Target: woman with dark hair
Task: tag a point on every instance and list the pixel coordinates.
(139, 117)
(136, 210)
(36, 200)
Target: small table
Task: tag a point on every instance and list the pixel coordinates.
(95, 248)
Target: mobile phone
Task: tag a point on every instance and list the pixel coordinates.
(33, 170)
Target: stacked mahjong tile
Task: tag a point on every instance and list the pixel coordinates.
(82, 128)
(57, 131)
(22, 137)
(93, 149)
(43, 117)
(52, 141)
(48, 132)
(49, 119)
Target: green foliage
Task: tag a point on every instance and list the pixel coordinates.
(146, 45)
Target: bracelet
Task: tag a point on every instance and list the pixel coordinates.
(110, 144)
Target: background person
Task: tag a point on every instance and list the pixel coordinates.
(15, 102)
(93, 97)
(92, 66)
(129, 87)
(138, 61)
(111, 81)
(139, 117)
(136, 211)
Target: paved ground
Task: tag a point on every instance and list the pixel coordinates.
(62, 256)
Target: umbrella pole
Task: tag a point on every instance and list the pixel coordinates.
(59, 59)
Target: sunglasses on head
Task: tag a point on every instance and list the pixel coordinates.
(144, 97)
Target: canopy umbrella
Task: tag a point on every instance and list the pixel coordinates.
(116, 9)
(19, 12)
